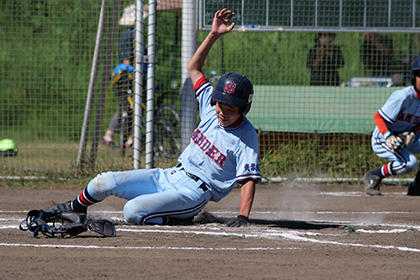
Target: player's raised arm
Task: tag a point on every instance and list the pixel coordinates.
(218, 28)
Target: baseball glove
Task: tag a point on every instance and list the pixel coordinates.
(408, 137)
(72, 224)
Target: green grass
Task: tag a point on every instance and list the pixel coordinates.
(306, 159)
(350, 229)
(58, 161)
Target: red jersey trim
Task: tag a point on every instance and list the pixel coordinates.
(201, 81)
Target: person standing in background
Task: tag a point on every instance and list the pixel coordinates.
(125, 57)
(324, 60)
(377, 54)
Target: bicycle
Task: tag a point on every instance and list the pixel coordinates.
(167, 121)
(167, 128)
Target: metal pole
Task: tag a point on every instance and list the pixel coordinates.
(105, 81)
(138, 87)
(92, 83)
(150, 83)
(189, 43)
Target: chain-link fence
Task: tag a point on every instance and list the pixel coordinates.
(321, 69)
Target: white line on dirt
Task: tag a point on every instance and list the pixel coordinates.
(292, 235)
(300, 238)
(146, 247)
(9, 226)
(358, 194)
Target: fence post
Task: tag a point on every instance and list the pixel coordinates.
(92, 83)
(189, 43)
(138, 87)
(105, 81)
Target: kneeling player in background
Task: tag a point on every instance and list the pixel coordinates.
(396, 136)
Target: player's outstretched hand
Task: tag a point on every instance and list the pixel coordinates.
(240, 221)
(220, 22)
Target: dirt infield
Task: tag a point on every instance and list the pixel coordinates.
(297, 232)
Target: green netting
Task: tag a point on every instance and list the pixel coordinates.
(47, 51)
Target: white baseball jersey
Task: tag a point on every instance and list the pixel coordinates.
(220, 156)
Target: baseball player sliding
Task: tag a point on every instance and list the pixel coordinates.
(223, 151)
(396, 136)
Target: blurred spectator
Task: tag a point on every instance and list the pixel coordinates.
(323, 60)
(125, 57)
(377, 54)
(406, 67)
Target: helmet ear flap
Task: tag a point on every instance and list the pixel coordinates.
(213, 102)
(245, 109)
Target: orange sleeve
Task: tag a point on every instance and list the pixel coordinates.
(380, 123)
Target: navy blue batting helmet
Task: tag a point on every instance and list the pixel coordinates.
(414, 67)
(234, 89)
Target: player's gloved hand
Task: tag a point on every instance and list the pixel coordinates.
(393, 142)
(408, 137)
(240, 221)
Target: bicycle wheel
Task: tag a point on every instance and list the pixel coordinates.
(168, 131)
(125, 120)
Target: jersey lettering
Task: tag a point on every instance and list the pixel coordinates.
(200, 139)
(212, 152)
(410, 118)
(208, 148)
(195, 133)
(220, 160)
(206, 144)
(252, 167)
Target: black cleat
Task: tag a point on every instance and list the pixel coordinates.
(413, 190)
(66, 207)
(179, 222)
(372, 184)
